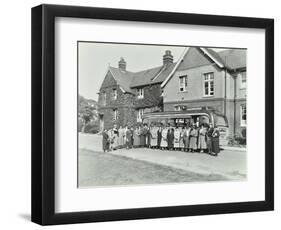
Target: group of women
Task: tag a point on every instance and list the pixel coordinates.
(188, 138)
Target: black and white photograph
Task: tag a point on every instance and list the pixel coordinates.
(150, 114)
(147, 114)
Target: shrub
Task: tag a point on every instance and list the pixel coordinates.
(91, 128)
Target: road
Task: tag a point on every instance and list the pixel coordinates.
(148, 166)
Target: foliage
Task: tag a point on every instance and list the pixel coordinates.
(239, 139)
(88, 118)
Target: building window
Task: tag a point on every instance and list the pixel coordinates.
(243, 80)
(115, 114)
(140, 114)
(183, 83)
(209, 84)
(243, 116)
(140, 93)
(114, 94)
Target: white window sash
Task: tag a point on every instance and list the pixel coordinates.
(183, 83)
(140, 93)
(209, 78)
(243, 122)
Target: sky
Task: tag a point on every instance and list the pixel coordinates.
(94, 59)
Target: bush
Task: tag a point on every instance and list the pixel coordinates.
(91, 128)
(238, 139)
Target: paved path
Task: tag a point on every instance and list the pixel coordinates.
(230, 164)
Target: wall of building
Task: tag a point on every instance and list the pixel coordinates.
(152, 97)
(195, 88)
(123, 104)
(194, 96)
(241, 92)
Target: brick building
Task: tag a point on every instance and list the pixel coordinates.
(201, 79)
(208, 79)
(125, 96)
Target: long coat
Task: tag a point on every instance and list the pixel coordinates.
(121, 138)
(164, 142)
(159, 137)
(128, 138)
(177, 137)
(136, 136)
(210, 139)
(142, 137)
(216, 141)
(193, 139)
(202, 138)
(115, 138)
(170, 138)
(105, 141)
(186, 138)
(181, 144)
(147, 137)
(153, 140)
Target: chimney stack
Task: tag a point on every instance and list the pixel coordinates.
(122, 64)
(168, 58)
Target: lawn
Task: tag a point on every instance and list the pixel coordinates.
(105, 169)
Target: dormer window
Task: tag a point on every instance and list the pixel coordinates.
(140, 93)
(114, 94)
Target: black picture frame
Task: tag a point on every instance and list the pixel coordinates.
(43, 113)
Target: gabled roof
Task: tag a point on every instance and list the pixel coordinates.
(123, 78)
(230, 59)
(128, 80)
(213, 55)
(234, 58)
(152, 76)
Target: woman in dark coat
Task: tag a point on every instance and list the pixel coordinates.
(128, 138)
(216, 141)
(210, 138)
(159, 136)
(105, 141)
(170, 138)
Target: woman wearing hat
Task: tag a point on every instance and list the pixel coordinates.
(193, 138)
(216, 141)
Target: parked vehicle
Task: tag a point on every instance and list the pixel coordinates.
(190, 116)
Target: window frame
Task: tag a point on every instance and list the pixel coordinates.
(185, 83)
(114, 94)
(115, 114)
(209, 84)
(243, 107)
(242, 85)
(140, 95)
(140, 114)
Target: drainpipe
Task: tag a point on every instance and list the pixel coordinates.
(224, 106)
(225, 85)
(234, 102)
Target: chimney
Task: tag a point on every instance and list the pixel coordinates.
(122, 64)
(168, 58)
